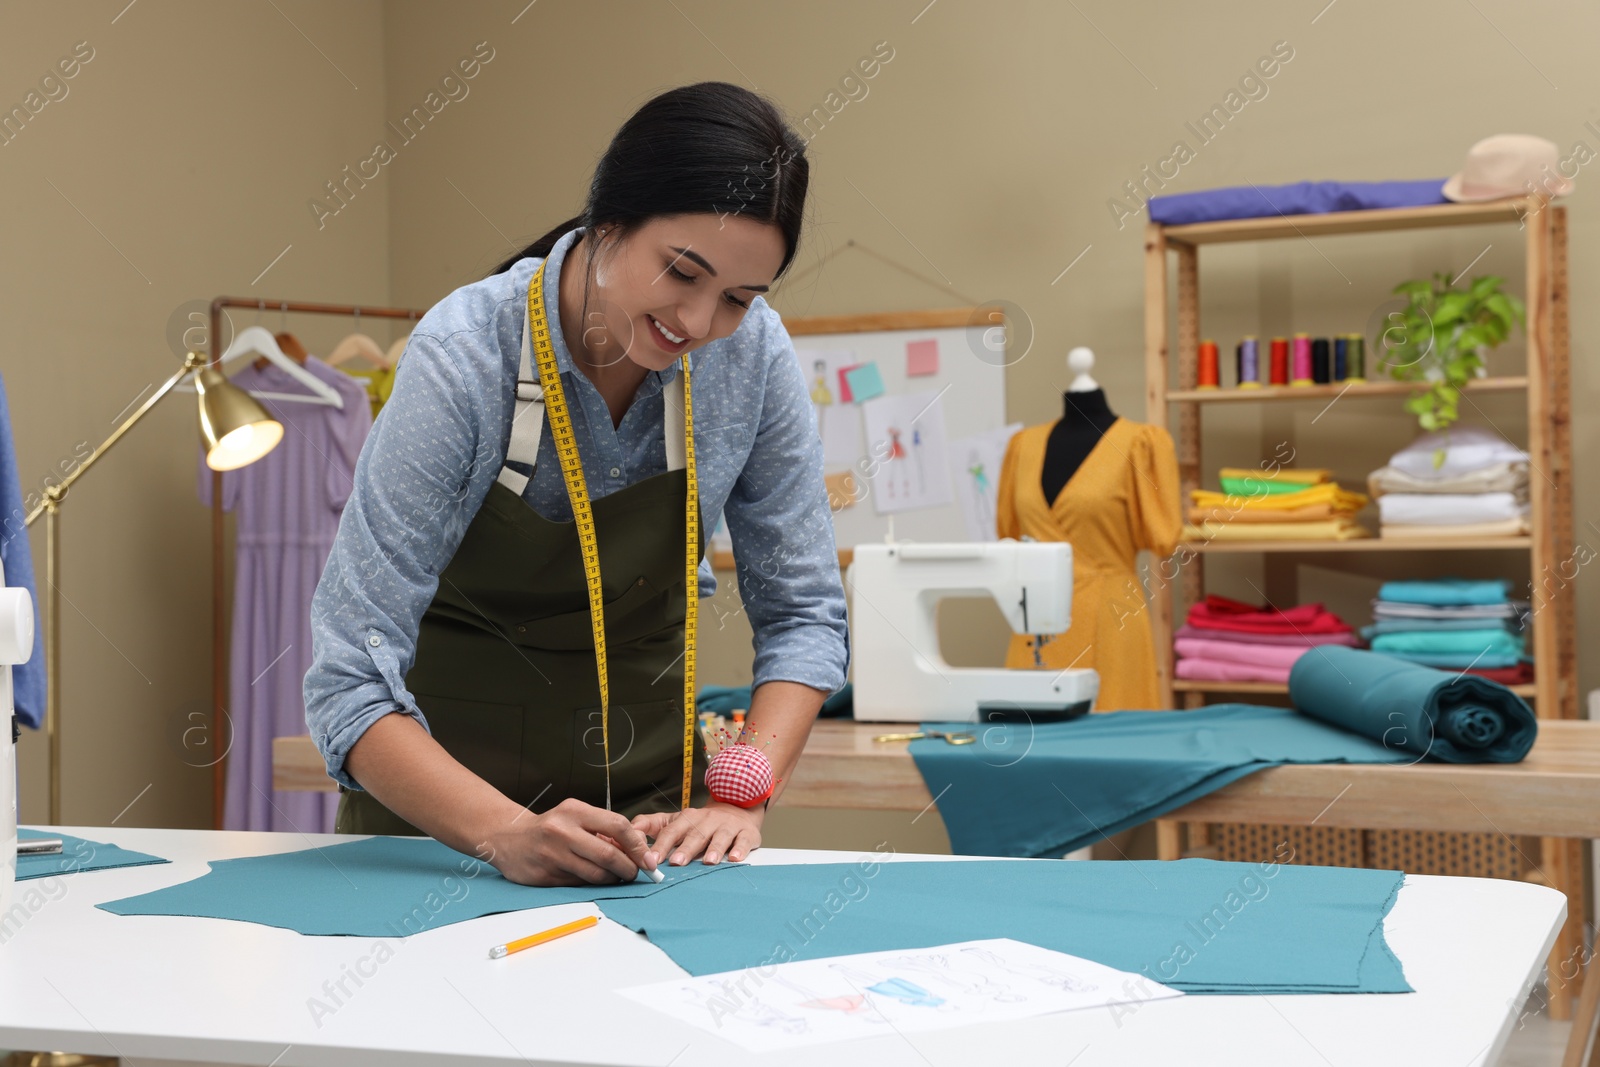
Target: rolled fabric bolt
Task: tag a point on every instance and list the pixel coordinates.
(1249, 363)
(1302, 360)
(1280, 361)
(1320, 369)
(740, 775)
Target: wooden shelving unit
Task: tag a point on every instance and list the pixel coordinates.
(1173, 401)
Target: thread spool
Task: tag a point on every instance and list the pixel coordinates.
(1341, 358)
(1300, 354)
(1249, 363)
(1320, 370)
(1357, 359)
(1280, 361)
(1208, 375)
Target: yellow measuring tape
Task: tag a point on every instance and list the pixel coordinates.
(555, 401)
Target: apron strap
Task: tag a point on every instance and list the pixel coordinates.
(527, 423)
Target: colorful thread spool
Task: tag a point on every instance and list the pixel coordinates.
(740, 775)
(1249, 363)
(1208, 375)
(1341, 358)
(1301, 355)
(1280, 361)
(1320, 371)
(1357, 359)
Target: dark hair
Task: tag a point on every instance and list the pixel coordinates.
(707, 148)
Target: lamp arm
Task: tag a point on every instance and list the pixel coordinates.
(192, 361)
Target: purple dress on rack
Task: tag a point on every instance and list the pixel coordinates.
(286, 507)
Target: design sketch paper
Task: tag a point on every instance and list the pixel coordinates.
(906, 449)
(838, 421)
(842, 998)
(975, 468)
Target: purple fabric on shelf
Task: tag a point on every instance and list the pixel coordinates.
(1267, 639)
(1298, 198)
(287, 508)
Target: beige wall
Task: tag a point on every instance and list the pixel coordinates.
(983, 158)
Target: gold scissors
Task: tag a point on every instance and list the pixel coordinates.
(962, 738)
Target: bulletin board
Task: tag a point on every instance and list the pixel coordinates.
(928, 386)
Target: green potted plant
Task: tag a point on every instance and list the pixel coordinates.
(1440, 337)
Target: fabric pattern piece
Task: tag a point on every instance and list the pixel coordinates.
(1296, 198)
(287, 506)
(1043, 790)
(1198, 925)
(442, 441)
(77, 854)
(1123, 498)
(16, 553)
(375, 887)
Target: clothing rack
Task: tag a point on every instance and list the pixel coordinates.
(219, 621)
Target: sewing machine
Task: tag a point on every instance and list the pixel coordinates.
(900, 675)
(16, 644)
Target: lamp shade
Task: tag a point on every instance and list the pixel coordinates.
(237, 429)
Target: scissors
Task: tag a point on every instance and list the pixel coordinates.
(963, 738)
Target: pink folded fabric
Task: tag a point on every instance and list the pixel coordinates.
(1278, 657)
(1300, 640)
(1212, 670)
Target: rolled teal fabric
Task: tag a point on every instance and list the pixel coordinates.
(1459, 718)
(1446, 591)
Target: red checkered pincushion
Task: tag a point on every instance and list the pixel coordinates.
(740, 775)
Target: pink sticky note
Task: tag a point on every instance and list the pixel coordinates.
(845, 396)
(922, 358)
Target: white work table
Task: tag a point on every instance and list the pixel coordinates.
(79, 979)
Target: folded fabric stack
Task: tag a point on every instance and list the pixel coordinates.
(1453, 624)
(1228, 641)
(1461, 482)
(1283, 504)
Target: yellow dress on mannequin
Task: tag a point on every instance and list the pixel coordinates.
(1122, 498)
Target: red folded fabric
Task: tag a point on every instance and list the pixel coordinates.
(1522, 672)
(1222, 613)
(1300, 639)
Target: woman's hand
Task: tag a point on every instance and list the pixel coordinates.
(715, 830)
(571, 844)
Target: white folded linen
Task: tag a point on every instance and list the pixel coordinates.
(1466, 449)
(1448, 509)
(1495, 478)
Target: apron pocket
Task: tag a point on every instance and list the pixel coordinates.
(484, 737)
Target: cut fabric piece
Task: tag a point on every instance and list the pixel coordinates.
(1458, 661)
(1397, 626)
(375, 887)
(1456, 718)
(1299, 476)
(1505, 528)
(1045, 789)
(1331, 530)
(1225, 613)
(1505, 477)
(1280, 657)
(1465, 449)
(1300, 640)
(77, 854)
(1500, 643)
(1331, 494)
(1446, 591)
(1200, 669)
(1448, 509)
(1196, 925)
(1306, 513)
(1511, 609)
(1296, 198)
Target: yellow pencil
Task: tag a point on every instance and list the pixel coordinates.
(501, 951)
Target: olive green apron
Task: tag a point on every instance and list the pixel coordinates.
(505, 665)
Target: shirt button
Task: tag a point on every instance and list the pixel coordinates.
(374, 640)
(616, 472)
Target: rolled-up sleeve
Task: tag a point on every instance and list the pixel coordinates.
(420, 478)
(782, 528)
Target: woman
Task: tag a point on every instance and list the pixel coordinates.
(455, 689)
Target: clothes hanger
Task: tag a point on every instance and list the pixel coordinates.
(258, 340)
(358, 346)
(398, 348)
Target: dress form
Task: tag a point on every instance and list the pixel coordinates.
(1084, 420)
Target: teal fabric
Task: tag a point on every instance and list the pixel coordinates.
(1459, 718)
(375, 887)
(1027, 789)
(1446, 591)
(1459, 661)
(1394, 626)
(1197, 925)
(1490, 642)
(77, 854)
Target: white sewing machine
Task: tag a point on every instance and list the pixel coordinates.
(900, 675)
(16, 645)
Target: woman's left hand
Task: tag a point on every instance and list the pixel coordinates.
(716, 830)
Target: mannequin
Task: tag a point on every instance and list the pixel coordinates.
(1085, 418)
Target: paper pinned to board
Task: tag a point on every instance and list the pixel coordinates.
(843, 998)
(975, 469)
(906, 442)
(838, 420)
(922, 358)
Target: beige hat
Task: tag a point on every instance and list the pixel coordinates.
(1508, 164)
